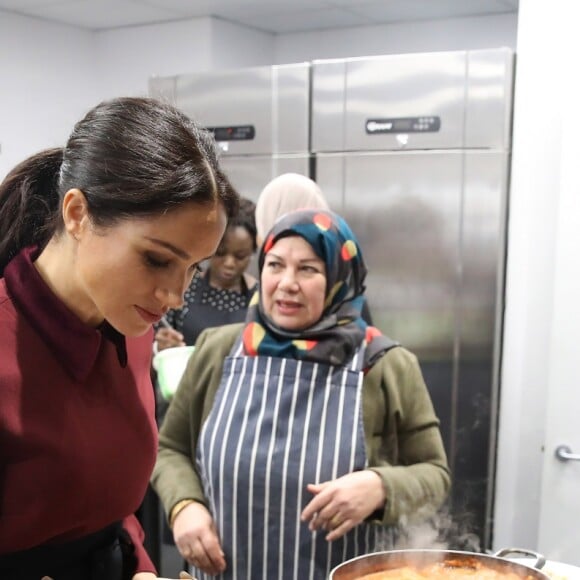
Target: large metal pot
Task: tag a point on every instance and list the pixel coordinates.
(356, 568)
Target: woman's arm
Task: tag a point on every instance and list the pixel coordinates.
(408, 454)
(175, 477)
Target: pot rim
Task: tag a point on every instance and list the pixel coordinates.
(427, 551)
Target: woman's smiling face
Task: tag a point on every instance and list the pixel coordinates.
(293, 284)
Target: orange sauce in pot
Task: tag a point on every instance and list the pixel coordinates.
(448, 570)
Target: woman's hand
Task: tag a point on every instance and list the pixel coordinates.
(342, 504)
(168, 338)
(197, 540)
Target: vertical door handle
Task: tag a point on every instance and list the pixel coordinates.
(564, 453)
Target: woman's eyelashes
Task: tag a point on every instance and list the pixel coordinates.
(273, 265)
(155, 261)
(310, 269)
(277, 266)
(159, 263)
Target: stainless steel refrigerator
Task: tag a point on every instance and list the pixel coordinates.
(260, 118)
(414, 150)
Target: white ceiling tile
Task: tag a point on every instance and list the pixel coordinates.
(188, 8)
(99, 14)
(513, 4)
(395, 11)
(22, 4)
(295, 20)
(230, 8)
(269, 15)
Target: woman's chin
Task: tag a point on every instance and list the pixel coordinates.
(291, 323)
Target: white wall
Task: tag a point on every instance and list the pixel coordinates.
(127, 57)
(48, 83)
(52, 74)
(534, 370)
(235, 46)
(437, 35)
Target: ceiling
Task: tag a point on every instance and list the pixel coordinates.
(274, 16)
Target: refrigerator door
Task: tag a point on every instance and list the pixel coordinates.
(249, 174)
(444, 100)
(431, 227)
(252, 111)
(405, 209)
(480, 321)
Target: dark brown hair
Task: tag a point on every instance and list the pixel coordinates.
(246, 219)
(129, 156)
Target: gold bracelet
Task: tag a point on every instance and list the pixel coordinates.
(177, 508)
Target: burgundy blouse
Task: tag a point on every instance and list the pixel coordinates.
(77, 426)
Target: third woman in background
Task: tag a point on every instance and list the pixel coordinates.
(220, 294)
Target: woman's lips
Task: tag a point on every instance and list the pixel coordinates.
(286, 307)
(147, 316)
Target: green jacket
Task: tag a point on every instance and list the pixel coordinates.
(403, 441)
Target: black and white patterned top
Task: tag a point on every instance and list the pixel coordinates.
(206, 306)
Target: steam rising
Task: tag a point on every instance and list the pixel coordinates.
(438, 532)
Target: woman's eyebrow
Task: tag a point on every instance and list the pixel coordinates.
(177, 251)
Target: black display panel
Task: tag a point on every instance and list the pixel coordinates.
(233, 133)
(425, 124)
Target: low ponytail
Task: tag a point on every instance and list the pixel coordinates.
(29, 204)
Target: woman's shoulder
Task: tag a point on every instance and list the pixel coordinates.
(250, 283)
(396, 363)
(399, 356)
(219, 338)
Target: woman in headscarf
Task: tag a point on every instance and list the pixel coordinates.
(289, 192)
(314, 438)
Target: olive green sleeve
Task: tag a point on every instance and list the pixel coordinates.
(403, 439)
(175, 476)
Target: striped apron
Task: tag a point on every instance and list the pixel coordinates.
(276, 425)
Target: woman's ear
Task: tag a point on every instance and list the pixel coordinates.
(75, 212)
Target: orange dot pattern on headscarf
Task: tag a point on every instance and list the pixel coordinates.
(370, 333)
(348, 251)
(268, 244)
(304, 344)
(323, 221)
(253, 335)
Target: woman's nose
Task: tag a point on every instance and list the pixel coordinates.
(288, 281)
(172, 295)
(229, 261)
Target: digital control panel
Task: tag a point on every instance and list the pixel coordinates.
(425, 124)
(233, 133)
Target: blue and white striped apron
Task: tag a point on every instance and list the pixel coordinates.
(276, 425)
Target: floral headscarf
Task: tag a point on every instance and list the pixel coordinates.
(341, 330)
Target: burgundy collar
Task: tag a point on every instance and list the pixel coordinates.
(74, 343)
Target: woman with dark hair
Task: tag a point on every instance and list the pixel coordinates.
(221, 293)
(302, 437)
(97, 241)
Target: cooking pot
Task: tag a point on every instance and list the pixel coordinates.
(555, 569)
(358, 567)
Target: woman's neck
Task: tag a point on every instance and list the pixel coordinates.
(236, 283)
(56, 266)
